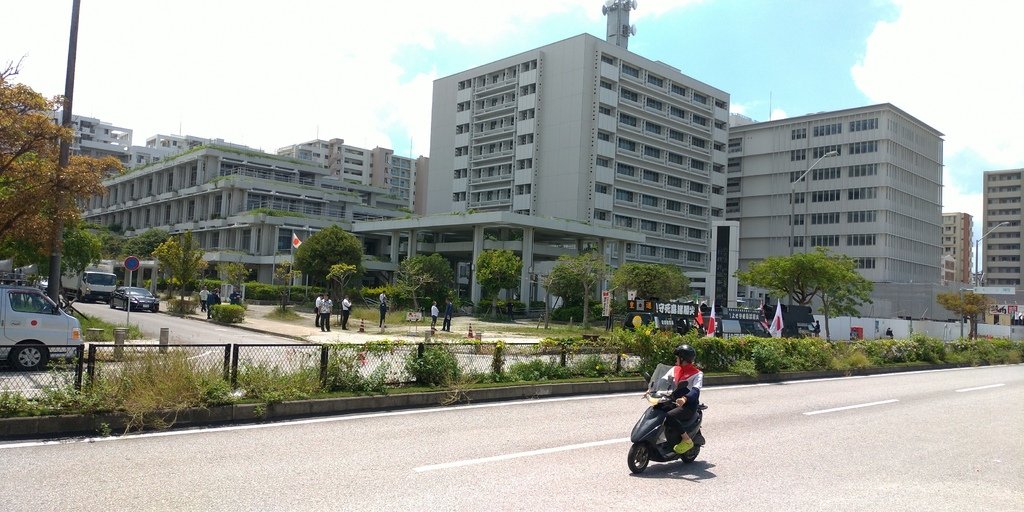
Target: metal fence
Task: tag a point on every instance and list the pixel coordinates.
(393, 364)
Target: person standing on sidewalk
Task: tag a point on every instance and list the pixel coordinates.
(433, 315)
(346, 309)
(325, 314)
(448, 310)
(316, 308)
(204, 294)
(213, 299)
(383, 308)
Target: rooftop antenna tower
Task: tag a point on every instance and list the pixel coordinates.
(619, 28)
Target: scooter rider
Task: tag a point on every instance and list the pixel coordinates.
(689, 379)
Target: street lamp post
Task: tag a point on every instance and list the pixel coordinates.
(977, 246)
(792, 204)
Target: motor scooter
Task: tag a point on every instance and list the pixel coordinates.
(648, 437)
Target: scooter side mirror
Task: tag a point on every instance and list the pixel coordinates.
(647, 376)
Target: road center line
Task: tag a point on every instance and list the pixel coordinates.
(517, 455)
(858, 406)
(990, 386)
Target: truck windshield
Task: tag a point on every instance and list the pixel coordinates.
(100, 279)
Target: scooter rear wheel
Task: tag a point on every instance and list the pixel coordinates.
(639, 457)
(691, 455)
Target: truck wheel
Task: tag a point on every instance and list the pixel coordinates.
(29, 357)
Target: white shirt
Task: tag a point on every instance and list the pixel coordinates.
(345, 304)
(433, 310)
(203, 294)
(383, 298)
(317, 302)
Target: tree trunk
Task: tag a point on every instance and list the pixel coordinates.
(586, 304)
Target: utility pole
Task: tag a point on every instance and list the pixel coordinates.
(57, 242)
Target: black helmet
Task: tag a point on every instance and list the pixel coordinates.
(685, 353)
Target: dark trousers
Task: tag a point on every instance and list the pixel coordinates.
(325, 322)
(677, 418)
(316, 314)
(344, 318)
(447, 324)
(433, 321)
(383, 313)
(202, 305)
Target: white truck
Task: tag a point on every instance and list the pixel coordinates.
(34, 329)
(91, 285)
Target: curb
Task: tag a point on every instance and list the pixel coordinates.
(90, 424)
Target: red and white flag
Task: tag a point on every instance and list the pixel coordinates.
(776, 326)
(710, 328)
(295, 241)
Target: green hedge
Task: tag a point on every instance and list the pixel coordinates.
(227, 313)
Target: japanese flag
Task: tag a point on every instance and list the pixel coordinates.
(295, 241)
(710, 328)
(776, 326)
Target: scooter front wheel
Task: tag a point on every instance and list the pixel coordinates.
(639, 457)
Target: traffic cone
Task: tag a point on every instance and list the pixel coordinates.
(362, 325)
(471, 331)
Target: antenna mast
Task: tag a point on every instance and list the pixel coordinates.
(619, 28)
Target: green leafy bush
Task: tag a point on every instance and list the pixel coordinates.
(179, 307)
(744, 367)
(227, 313)
(575, 313)
(537, 370)
(271, 384)
(437, 366)
(592, 365)
(344, 372)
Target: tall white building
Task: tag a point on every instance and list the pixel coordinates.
(1001, 222)
(97, 138)
(878, 199)
(584, 130)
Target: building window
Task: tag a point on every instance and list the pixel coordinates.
(823, 150)
(857, 171)
(649, 225)
(627, 119)
(864, 124)
(701, 120)
(673, 206)
(854, 194)
(655, 81)
(676, 135)
(673, 181)
(831, 173)
(653, 128)
(869, 146)
(651, 201)
(825, 196)
(825, 241)
(797, 154)
(828, 129)
(603, 162)
(825, 218)
(854, 240)
(798, 133)
(700, 98)
(601, 109)
(865, 262)
(672, 229)
(678, 89)
(630, 95)
(649, 251)
(630, 70)
(652, 152)
(625, 170)
(600, 188)
(655, 104)
(651, 176)
(625, 195)
(623, 222)
(627, 145)
(860, 216)
(605, 136)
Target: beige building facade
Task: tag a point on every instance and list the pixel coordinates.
(957, 251)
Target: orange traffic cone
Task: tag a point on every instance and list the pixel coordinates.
(362, 325)
(471, 331)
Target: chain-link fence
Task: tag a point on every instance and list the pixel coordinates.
(320, 367)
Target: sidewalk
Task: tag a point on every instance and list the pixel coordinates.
(306, 330)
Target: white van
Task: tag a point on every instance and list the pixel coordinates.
(34, 328)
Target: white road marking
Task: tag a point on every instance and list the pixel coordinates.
(517, 455)
(858, 406)
(979, 388)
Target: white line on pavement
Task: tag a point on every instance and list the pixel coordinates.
(517, 455)
(858, 406)
(979, 388)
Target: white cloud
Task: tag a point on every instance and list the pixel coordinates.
(953, 65)
(778, 113)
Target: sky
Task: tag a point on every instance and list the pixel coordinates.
(268, 74)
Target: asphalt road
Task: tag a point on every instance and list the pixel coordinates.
(182, 330)
(942, 440)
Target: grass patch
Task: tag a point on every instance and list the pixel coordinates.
(284, 315)
(89, 322)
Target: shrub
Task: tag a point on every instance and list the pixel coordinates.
(270, 384)
(437, 366)
(592, 365)
(179, 307)
(652, 346)
(575, 313)
(344, 373)
(227, 313)
(537, 370)
(744, 367)
(768, 357)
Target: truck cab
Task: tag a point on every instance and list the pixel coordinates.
(91, 285)
(34, 329)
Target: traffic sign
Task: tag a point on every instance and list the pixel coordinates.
(131, 263)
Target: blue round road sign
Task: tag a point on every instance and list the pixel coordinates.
(131, 263)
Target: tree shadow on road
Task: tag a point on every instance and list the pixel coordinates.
(695, 472)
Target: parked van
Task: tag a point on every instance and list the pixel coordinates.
(34, 328)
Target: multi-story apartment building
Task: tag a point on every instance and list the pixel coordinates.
(242, 205)
(379, 167)
(956, 245)
(159, 147)
(98, 139)
(1001, 228)
(587, 131)
(865, 182)
(874, 190)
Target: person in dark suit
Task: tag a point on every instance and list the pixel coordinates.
(448, 310)
(213, 299)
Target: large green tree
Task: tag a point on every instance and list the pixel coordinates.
(829, 277)
(326, 248)
(431, 276)
(182, 259)
(652, 280)
(585, 270)
(497, 270)
(971, 305)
